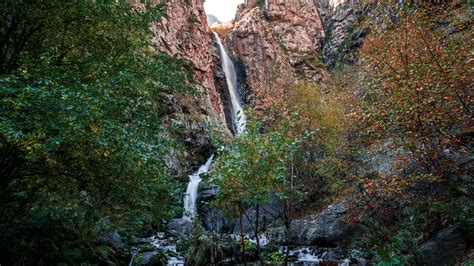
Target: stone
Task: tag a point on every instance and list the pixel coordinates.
(444, 249)
(179, 227)
(268, 213)
(145, 258)
(207, 193)
(112, 239)
(340, 19)
(325, 229)
(274, 43)
(183, 32)
(213, 220)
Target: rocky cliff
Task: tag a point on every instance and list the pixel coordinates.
(343, 35)
(276, 42)
(273, 43)
(183, 32)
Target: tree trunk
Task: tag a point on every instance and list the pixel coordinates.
(242, 241)
(257, 238)
(288, 230)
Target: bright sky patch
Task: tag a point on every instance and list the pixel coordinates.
(224, 10)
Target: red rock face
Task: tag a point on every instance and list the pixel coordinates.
(183, 32)
(277, 43)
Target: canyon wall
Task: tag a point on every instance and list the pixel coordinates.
(273, 44)
(183, 32)
(277, 42)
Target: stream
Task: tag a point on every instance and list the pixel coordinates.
(300, 256)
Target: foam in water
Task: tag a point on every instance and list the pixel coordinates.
(239, 118)
(192, 190)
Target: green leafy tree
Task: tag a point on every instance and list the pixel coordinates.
(80, 112)
(256, 166)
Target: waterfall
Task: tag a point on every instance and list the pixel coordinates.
(192, 190)
(239, 119)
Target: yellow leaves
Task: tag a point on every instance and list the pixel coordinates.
(94, 129)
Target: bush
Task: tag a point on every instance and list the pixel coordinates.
(80, 111)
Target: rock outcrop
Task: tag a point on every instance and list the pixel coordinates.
(179, 227)
(268, 213)
(325, 229)
(276, 42)
(342, 33)
(183, 32)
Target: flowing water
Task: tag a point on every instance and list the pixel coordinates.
(191, 195)
(239, 119)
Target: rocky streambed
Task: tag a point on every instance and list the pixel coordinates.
(316, 240)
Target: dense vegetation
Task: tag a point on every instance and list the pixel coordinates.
(83, 146)
(408, 101)
(80, 145)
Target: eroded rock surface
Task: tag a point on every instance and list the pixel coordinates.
(325, 229)
(277, 42)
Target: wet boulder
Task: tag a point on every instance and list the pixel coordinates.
(112, 239)
(445, 248)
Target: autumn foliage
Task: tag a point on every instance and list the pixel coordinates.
(417, 71)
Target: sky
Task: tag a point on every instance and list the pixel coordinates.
(224, 10)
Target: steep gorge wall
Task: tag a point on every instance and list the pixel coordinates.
(343, 34)
(279, 41)
(276, 43)
(183, 32)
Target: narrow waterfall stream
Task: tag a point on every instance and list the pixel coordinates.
(192, 190)
(239, 119)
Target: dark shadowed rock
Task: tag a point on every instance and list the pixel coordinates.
(445, 248)
(179, 227)
(213, 219)
(268, 213)
(207, 193)
(146, 258)
(324, 229)
(112, 239)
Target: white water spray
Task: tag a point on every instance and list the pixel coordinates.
(239, 119)
(192, 190)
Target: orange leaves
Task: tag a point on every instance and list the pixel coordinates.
(416, 77)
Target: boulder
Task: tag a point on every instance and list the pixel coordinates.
(112, 239)
(213, 219)
(445, 248)
(207, 193)
(324, 229)
(147, 258)
(179, 227)
(268, 213)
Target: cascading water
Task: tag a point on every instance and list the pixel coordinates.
(239, 119)
(192, 190)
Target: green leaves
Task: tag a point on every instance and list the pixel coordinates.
(255, 166)
(80, 127)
